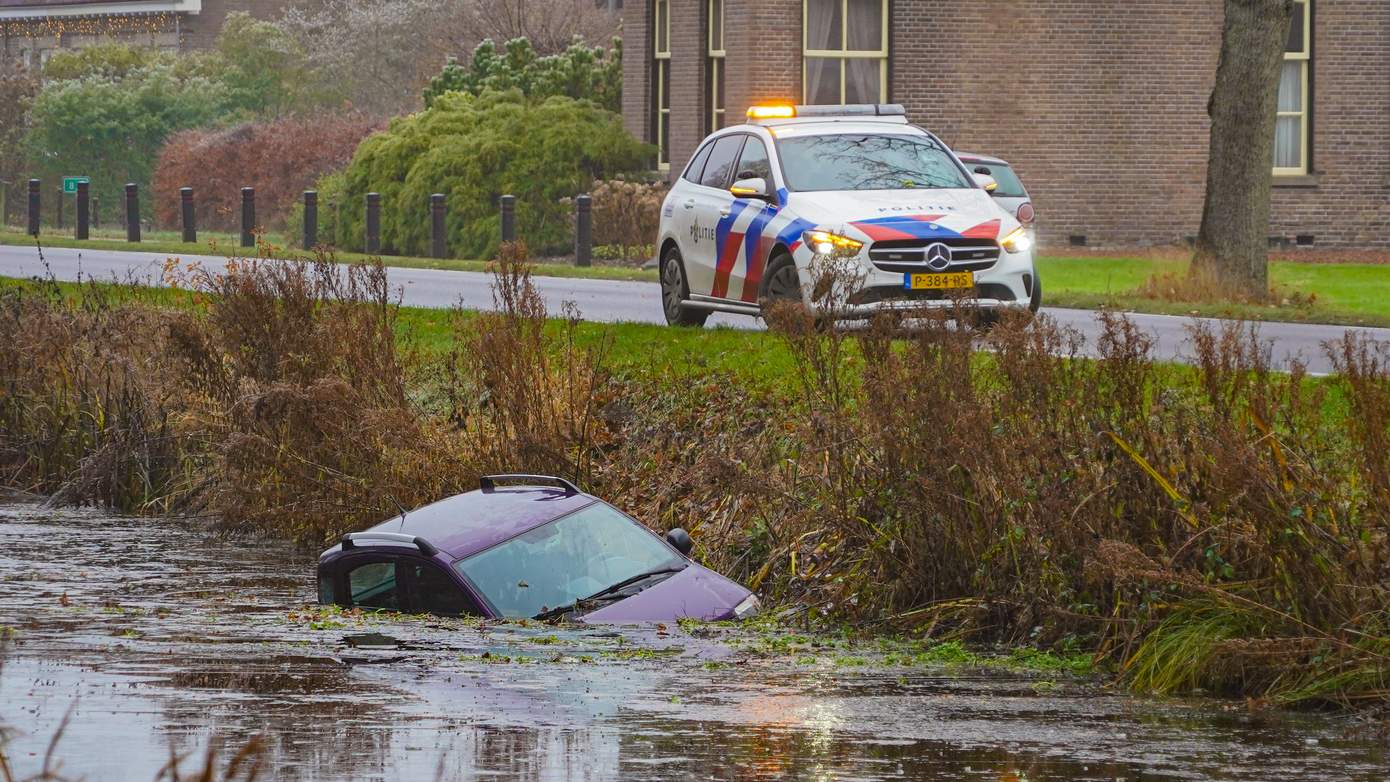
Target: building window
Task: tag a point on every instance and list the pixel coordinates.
(1291, 128)
(845, 51)
(714, 65)
(661, 82)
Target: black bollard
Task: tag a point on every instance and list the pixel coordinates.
(33, 207)
(373, 223)
(508, 218)
(311, 219)
(248, 217)
(437, 247)
(83, 212)
(583, 231)
(132, 212)
(190, 225)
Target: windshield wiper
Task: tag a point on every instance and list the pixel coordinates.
(606, 591)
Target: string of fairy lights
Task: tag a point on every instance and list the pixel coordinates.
(89, 24)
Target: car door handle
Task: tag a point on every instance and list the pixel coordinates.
(690, 203)
(723, 212)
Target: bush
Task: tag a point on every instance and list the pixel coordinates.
(626, 216)
(475, 149)
(581, 71)
(111, 129)
(272, 157)
(17, 90)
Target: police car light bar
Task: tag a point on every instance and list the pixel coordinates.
(786, 111)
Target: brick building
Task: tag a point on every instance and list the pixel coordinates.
(1101, 105)
(31, 30)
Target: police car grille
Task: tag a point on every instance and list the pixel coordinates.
(883, 293)
(910, 255)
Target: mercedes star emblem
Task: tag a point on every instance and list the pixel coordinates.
(938, 257)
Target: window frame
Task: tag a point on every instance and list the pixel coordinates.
(715, 68)
(343, 580)
(742, 137)
(661, 67)
(1305, 58)
(844, 53)
(400, 559)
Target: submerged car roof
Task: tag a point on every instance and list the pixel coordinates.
(465, 524)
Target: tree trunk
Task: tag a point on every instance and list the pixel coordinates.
(1233, 245)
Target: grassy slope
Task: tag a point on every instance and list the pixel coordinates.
(1344, 293)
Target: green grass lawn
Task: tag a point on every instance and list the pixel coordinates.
(1342, 293)
(1334, 293)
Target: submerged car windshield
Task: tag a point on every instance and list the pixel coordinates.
(566, 560)
(857, 161)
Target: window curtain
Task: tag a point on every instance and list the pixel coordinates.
(1288, 131)
(862, 82)
(823, 31)
(865, 21)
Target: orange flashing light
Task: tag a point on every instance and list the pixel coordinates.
(772, 111)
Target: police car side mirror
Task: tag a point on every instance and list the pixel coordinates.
(987, 182)
(754, 187)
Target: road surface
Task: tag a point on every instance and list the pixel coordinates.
(612, 301)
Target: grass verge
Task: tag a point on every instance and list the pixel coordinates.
(1349, 294)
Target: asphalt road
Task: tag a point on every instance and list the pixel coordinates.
(614, 301)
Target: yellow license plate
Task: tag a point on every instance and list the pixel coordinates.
(926, 282)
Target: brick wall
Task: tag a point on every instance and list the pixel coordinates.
(1350, 204)
(1100, 104)
(200, 31)
(637, 68)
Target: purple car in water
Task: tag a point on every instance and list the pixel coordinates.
(537, 547)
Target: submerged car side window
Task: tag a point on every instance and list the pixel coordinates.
(721, 161)
(373, 585)
(437, 593)
(697, 165)
(753, 162)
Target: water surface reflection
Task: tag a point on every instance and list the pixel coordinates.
(166, 637)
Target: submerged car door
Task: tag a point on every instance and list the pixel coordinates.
(711, 218)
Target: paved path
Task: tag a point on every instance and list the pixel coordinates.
(615, 301)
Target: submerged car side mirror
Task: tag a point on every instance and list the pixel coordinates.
(680, 540)
(753, 187)
(989, 183)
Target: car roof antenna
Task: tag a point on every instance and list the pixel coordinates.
(398, 505)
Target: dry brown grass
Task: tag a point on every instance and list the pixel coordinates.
(1222, 525)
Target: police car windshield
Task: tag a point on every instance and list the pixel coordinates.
(858, 161)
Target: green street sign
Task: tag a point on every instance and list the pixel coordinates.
(70, 183)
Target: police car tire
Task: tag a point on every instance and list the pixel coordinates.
(675, 288)
(1035, 300)
(775, 269)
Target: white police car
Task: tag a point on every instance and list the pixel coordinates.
(763, 204)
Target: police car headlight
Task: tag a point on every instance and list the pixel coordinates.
(749, 607)
(826, 243)
(1018, 241)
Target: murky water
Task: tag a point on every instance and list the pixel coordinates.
(158, 637)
